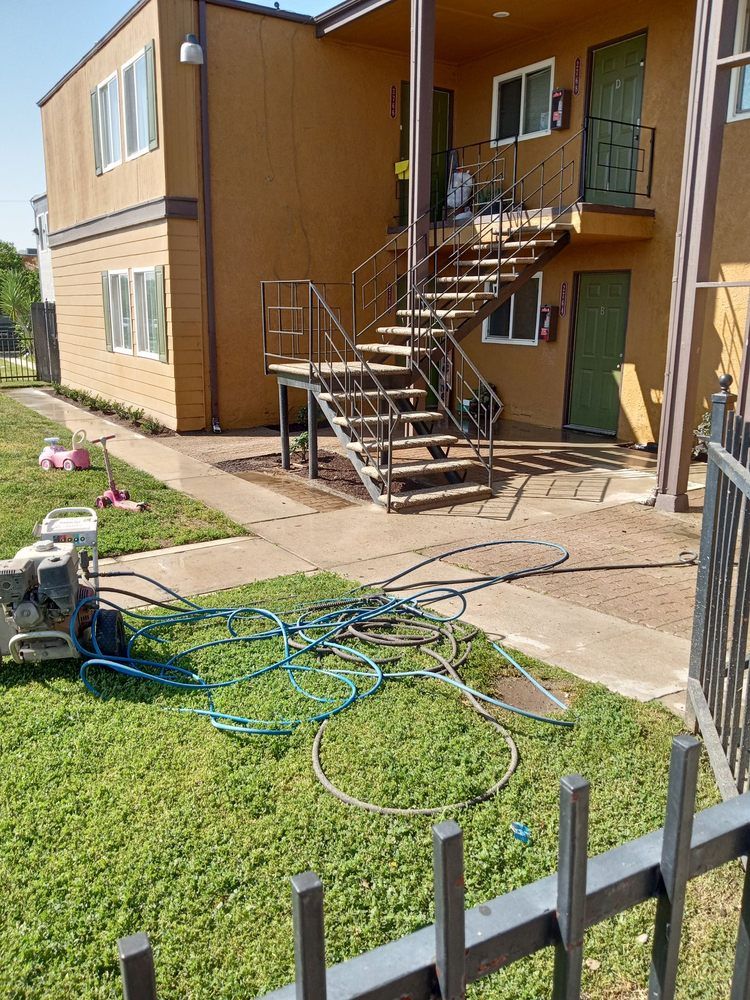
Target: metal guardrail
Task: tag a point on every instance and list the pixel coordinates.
(719, 675)
(619, 157)
(302, 330)
(463, 946)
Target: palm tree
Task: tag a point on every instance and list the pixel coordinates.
(15, 300)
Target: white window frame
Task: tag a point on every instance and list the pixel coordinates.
(136, 345)
(523, 72)
(487, 339)
(132, 62)
(99, 87)
(120, 350)
(733, 115)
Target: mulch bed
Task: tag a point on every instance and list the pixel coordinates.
(334, 470)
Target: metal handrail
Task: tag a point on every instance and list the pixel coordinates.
(425, 347)
(318, 348)
(401, 246)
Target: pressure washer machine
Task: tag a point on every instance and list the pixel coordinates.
(44, 583)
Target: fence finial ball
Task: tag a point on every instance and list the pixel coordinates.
(725, 381)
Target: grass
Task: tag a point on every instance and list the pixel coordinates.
(27, 493)
(117, 817)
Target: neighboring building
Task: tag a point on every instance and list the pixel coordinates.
(306, 120)
(43, 251)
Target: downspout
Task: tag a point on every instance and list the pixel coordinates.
(208, 235)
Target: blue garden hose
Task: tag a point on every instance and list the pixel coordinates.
(310, 630)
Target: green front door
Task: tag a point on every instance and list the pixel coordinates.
(601, 322)
(614, 157)
(442, 137)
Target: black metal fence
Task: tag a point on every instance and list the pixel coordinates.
(463, 946)
(17, 357)
(718, 683)
(46, 347)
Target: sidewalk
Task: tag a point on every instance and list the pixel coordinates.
(552, 618)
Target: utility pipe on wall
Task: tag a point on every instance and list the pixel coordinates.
(208, 236)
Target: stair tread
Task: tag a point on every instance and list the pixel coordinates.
(338, 367)
(432, 466)
(328, 397)
(418, 441)
(400, 349)
(441, 313)
(400, 331)
(444, 494)
(489, 276)
(457, 295)
(408, 417)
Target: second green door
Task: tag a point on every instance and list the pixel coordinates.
(598, 350)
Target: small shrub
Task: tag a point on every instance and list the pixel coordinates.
(702, 433)
(300, 445)
(130, 414)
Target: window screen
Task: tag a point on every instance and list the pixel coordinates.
(537, 104)
(119, 304)
(517, 320)
(146, 312)
(509, 108)
(135, 99)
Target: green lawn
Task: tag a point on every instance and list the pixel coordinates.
(27, 493)
(117, 817)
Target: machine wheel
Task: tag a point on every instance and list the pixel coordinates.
(69, 465)
(110, 633)
(102, 502)
(46, 464)
(124, 495)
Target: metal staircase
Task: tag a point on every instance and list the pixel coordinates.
(399, 391)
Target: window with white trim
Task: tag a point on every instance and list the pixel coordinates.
(119, 311)
(108, 108)
(135, 100)
(517, 320)
(739, 90)
(522, 102)
(146, 312)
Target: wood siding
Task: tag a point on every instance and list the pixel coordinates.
(172, 392)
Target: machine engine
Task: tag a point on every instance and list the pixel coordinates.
(40, 590)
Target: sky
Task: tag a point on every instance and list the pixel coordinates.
(42, 40)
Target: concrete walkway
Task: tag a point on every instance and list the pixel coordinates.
(365, 544)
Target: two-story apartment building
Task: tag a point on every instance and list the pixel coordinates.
(166, 214)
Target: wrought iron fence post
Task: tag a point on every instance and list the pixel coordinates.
(137, 967)
(675, 860)
(309, 937)
(571, 886)
(721, 404)
(450, 929)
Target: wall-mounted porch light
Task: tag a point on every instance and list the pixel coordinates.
(191, 51)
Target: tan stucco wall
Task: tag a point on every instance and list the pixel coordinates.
(173, 392)
(74, 190)
(303, 146)
(533, 380)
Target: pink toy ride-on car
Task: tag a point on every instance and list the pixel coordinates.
(55, 456)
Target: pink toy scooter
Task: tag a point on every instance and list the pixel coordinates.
(112, 497)
(55, 456)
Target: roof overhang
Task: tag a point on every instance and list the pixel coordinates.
(345, 13)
